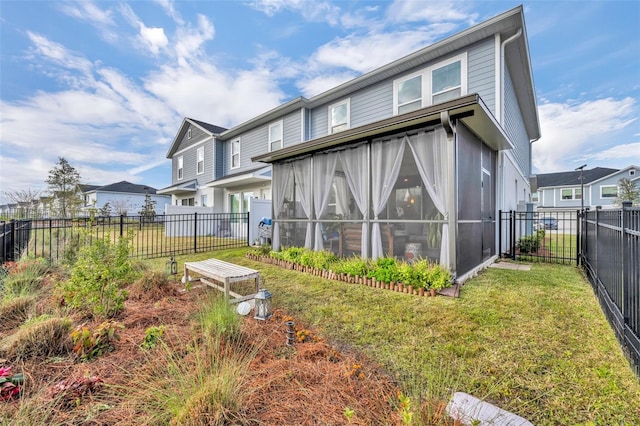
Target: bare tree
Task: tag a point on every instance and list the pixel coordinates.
(63, 183)
(26, 199)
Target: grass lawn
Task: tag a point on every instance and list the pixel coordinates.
(532, 342)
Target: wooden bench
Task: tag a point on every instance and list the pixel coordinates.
(224, 273)
(351, 238)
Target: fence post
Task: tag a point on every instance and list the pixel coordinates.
(12, 240)
(512, 227)
(598, 208)
(579, 215)
(247, 230)
(195, 232)
(626, 264)
(500, 233)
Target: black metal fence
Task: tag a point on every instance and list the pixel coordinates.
(610, 256)
(550, 236)
(14, 237)
(151, 237)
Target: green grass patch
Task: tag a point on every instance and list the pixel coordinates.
(532, 342)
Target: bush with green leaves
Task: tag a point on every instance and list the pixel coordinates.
(353, 266)
(23, 278)
(152, 336)
(89, 344)
(529, 244)
(293, 254)
(98, 278)
(384, 269)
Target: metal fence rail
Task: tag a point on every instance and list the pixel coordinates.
(610, 256)
(151, 237)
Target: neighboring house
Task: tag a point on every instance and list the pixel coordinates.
(417, 156)
(123, 198)
(215, 171)
(563, 190)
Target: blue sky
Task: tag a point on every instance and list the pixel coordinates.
(106, 84)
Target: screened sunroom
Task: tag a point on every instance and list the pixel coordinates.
(417, 185)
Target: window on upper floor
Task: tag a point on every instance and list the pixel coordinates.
(435, 84)
(571, 194)
(180, 174)
(632, 172)
(339, 116)
(189, 134)
(608, 191)
(275, 136)
(235, 154)
(200, 163)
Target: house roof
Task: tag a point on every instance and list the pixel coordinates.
(572, 178)
(122, 186)
(187, 187)
(245, 177)
(208, 128)
(516, 55)
(86, 188)
(469, 109)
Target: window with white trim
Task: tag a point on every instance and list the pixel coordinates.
(203, 200)
(571, 194)
(438, 83)
(632, 172)
(608, 191)
(235, 154)
(275, 136)
(189, 134)
(200, 163)
(339, 116)
(180, 168)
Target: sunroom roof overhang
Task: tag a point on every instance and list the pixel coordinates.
(469, 109)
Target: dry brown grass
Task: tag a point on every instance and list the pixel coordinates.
(15, 311)
(41, 338)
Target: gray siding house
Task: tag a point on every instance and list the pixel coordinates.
(417, 155)
(123, 197)
(563, 190)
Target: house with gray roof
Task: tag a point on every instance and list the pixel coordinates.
(413, 158)
(563, 190)
(123, 197)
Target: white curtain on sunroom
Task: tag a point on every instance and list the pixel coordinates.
(303, 179)
(430, 153)
(282, 175)
(324, 167)
(356, 171)
(386, 160)
(341, 190)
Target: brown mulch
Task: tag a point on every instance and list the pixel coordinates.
(308, 383)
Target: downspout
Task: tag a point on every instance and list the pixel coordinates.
(501, 154)
(452, 206)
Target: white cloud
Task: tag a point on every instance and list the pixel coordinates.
(433, 11)
(154, 38)
(569, 128)
(629, 152)
(58, 53)
(89, 12)
(313, 11)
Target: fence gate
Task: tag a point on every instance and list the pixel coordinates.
(550, 236)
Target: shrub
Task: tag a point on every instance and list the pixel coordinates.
(88, 344)
(323, 259)
(529, 243)
(439, 277)
(152, 336)
(15, 311)
(218, 318)
(38, 338)
(353, 265)
(293, 254)
(384, 269)
(98, 277)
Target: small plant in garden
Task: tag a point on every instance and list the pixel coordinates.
(348, 414)
(98, 277)
(152, 336)
(69, 392)
(531, 243)
(439, 277)
(384, 269)
(39, 338)
(404, 408)
(23, 278)
(293, 254)
(10, 384)
(88, 344)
